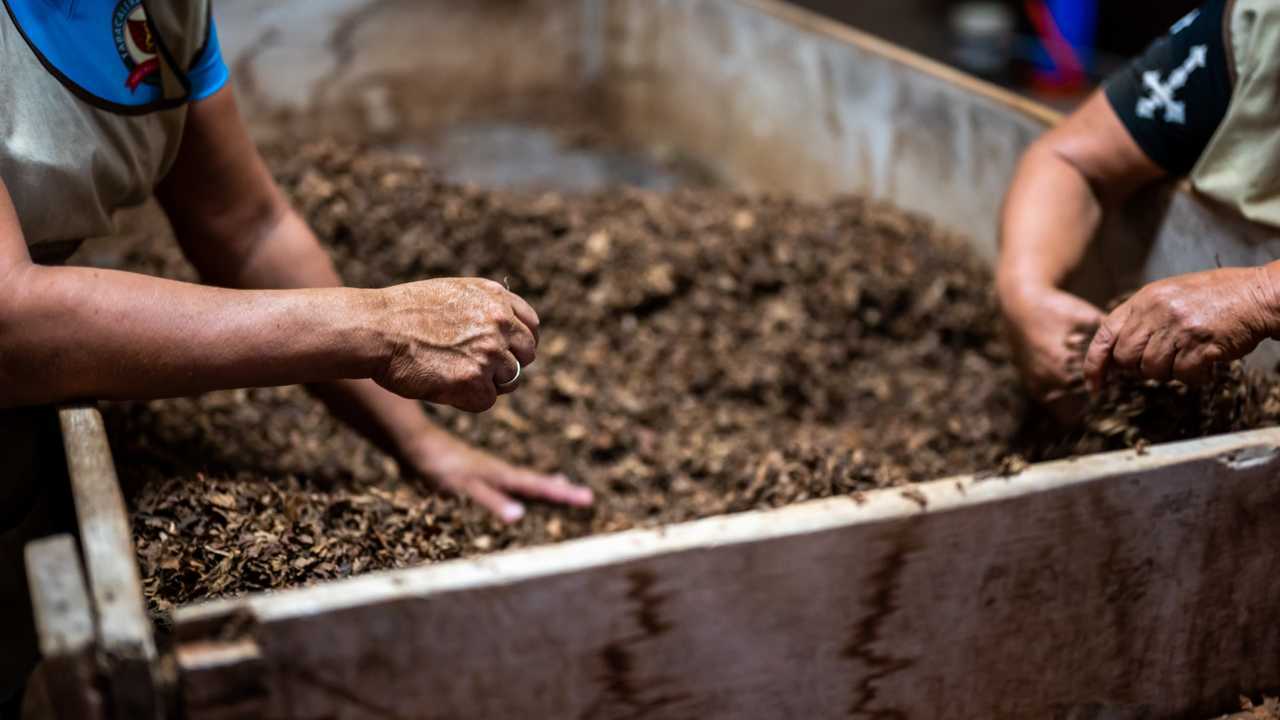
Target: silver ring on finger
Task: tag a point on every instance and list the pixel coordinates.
(512, 381)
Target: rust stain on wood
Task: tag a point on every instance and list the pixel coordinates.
(624, 694)
(875, 664)
(646, 602)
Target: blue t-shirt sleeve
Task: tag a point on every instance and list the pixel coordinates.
(209, 72)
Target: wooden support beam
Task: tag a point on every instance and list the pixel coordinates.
(64, 685)
(124, 634)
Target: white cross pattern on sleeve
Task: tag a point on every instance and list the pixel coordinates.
(1185, 22)
(1163, 94)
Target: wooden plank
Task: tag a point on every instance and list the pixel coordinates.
(776, 99)
(124, 631)
(63, 688)
(355, 68)
(1119, 586)
(809, 21)
(59, 601)
(222, 679)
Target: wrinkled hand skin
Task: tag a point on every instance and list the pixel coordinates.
(454, 341)
(1176, 329)
(459, 468)
(1048, 329)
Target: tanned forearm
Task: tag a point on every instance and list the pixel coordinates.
(286, 254)
(1062, 188)
(68, 333)
(1056, 202)
(1050, 215)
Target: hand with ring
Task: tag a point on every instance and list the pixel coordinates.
(510, 385)
(456, 341)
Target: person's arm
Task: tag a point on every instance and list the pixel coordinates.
(1053, 209)
(238, 229)
(1153, 119)
(1173, 102)
(69, 333)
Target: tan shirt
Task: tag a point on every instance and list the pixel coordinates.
(1241, 165)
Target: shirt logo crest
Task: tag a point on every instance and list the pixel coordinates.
(135, 43)
(1164, 94)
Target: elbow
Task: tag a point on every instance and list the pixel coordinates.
(1050, 154)
(223, 245)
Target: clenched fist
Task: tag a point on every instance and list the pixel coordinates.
(454, 341)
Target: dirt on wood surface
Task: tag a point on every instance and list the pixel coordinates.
(702, 353)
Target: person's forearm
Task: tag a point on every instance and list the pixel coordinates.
(1050, 215)
(287, 255)
(68, 333)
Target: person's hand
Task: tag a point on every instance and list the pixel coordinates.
(454, 341)
(1048, 329)
(1179, 327)
(468, 471)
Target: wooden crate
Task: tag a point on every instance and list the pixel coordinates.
(1116, 586)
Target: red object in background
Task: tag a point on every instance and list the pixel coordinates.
(1068, 74)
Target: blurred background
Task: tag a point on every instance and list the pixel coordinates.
(1053, 50)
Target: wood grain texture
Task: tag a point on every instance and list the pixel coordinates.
(63, 687)
(64, 618)
(222, 679)
(776, 99)
(1119, 586)
(124, 631)
(399, 69)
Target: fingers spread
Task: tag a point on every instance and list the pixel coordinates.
(496, 501)
(555, 488)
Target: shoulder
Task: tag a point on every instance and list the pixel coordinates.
(122, 56)
(1173, 97)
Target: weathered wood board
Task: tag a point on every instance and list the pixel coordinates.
(124, 634)
(371, 69)
(63, 688)
(1118, 586)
